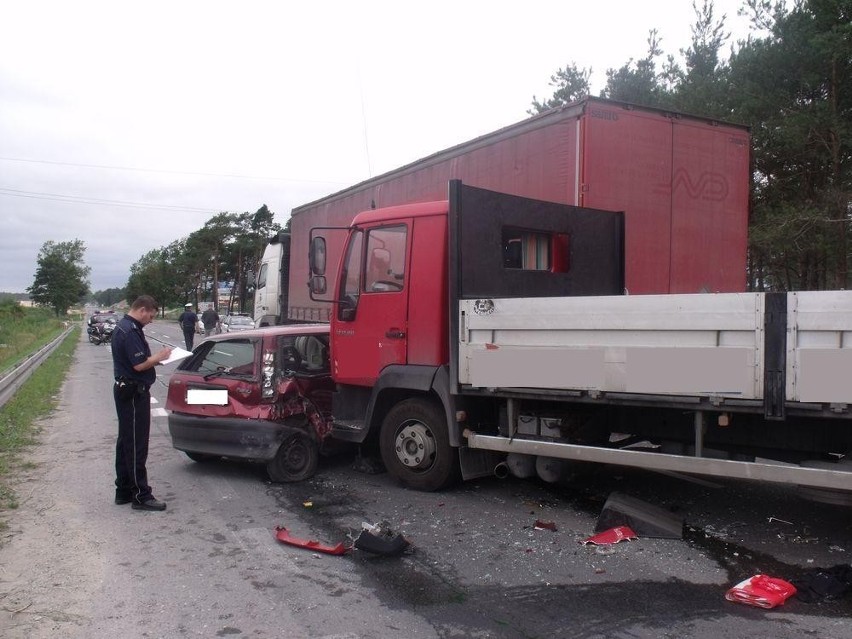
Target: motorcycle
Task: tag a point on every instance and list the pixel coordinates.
(101, 332)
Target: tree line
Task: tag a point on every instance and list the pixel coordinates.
(227, 249)
(791, 83)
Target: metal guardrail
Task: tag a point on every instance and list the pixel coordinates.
(15, 377)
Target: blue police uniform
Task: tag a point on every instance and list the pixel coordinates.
(133, 407)
(188, 321)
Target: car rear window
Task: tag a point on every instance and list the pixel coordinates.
(236, 319)
(233, 356)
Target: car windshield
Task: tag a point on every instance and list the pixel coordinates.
(239, 319)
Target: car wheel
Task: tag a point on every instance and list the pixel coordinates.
(199, 457)
(295, 460)
(415, 446)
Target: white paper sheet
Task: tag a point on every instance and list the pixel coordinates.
(177, 354)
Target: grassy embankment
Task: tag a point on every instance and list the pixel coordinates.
(22, 332)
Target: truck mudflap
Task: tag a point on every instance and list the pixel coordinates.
(838, 478)
(476, 463)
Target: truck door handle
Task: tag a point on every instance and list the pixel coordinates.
(395, 333)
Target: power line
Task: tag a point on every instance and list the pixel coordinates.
(146, 170)
(73, 199)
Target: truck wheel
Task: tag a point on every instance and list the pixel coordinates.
(416, 448)
(296, 459)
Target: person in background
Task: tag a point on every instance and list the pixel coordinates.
(187, 320)
(210, 319)
(133, 368)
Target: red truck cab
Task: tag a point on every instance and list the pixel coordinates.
(384, 316)
(393, 294)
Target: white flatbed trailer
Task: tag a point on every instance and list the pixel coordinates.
(762, 371)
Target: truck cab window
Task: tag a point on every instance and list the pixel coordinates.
(385, 267)
(350, 286)
(261, 277)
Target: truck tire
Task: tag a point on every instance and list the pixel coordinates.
(295, 460)
(416, 448)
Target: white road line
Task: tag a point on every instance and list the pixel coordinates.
(159, 412)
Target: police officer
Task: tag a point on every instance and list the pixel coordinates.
(188, 320)
(133, 366)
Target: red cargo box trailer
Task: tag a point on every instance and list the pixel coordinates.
(682, 182)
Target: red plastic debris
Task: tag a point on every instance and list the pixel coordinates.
(762, 591)
(544, 525)
(284, 536)
(612, 536)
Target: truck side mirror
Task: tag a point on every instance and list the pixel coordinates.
(317, 257)
(317, 285)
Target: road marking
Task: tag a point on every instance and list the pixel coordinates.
(159, 412)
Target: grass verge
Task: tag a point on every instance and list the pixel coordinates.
(33, 401)
(25, 330)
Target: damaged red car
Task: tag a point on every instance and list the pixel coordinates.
(261, 395)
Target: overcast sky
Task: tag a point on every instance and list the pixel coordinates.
(127, 125)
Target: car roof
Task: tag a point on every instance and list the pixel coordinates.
(289, 329)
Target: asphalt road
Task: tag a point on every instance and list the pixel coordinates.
(74, 565)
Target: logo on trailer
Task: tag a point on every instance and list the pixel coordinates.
(708, 186)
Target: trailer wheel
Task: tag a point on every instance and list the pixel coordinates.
(295, 460)
(416, 448)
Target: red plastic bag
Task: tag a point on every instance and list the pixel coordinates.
(762, 591)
